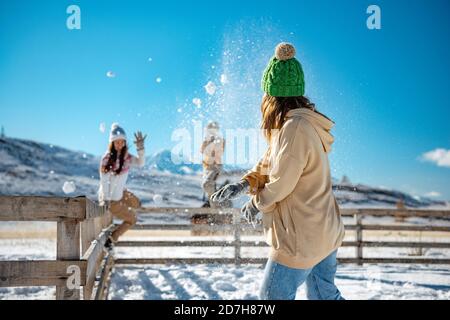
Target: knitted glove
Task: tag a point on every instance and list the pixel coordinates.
(250, 212)
(139, 142)
(230, 191)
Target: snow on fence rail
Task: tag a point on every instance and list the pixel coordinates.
(82, 229)
(229, 220)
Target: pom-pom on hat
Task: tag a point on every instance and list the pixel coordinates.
(283, 76)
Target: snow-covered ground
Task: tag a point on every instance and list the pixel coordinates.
(217, 281)
(161, 184)
(230, 282)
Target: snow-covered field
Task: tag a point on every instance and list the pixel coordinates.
(216, 281)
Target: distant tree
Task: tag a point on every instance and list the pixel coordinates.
(2, 134)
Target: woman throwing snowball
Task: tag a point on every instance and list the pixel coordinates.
(291, 186)
(114, 169)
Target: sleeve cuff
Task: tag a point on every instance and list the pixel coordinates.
(261, 208)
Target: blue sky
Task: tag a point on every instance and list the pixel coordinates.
(387, 90)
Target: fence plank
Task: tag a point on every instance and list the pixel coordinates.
(205, 243)
(406, 244)
(87, 235)
(94, 256)
(359, 237)
(37, 273)
(403, 228)
(101, 293)
(93, 210)
(395, 212)
(188, 210)
(167, 261)
(225, 243)
(259, 228)
(67, 248)
(37, 208)
(344, 211)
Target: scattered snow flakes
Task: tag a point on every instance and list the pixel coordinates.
(197, 102)
(210, 88)
(84, 156)
(223, 79)
(110, 74)
(150, 59)
(69, 187)
(52, 172)
(157, 199)
(102, 127)
(158, 80)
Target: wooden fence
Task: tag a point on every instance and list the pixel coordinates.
(212, 221)
(82, 229)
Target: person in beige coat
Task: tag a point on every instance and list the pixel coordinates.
(291, 186)
(212, 150)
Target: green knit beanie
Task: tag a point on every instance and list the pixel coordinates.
(283, 76)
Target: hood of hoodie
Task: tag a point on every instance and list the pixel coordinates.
(320, 123)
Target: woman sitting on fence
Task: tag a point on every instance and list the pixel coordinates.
(291, 186)
(114, 169)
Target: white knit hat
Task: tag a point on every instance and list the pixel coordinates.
(117, 133)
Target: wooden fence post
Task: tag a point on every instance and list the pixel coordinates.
(68, 248)
(359, 237)
(237, 238)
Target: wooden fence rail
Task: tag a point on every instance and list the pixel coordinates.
(205, 220)
(82, 229)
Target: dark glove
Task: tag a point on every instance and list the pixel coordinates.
(250, 212)
(230, 191)
(140, 140)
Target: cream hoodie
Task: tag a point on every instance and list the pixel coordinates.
(301, 217)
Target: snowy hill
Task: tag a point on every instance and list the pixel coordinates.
(28, 167)
(162, 161)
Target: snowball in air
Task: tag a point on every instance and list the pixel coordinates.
(69, 187)
(110, 74)
(197, 102)
(102, 127)
(157, 198)
(158, 80)
(210, 88)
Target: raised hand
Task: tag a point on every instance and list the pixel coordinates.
(230, 191)
(140, 140)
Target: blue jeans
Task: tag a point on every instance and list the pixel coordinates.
(281, 282)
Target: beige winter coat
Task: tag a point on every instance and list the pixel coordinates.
(301, 217)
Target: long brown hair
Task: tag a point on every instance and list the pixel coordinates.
(274, 110)
(113, 158)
